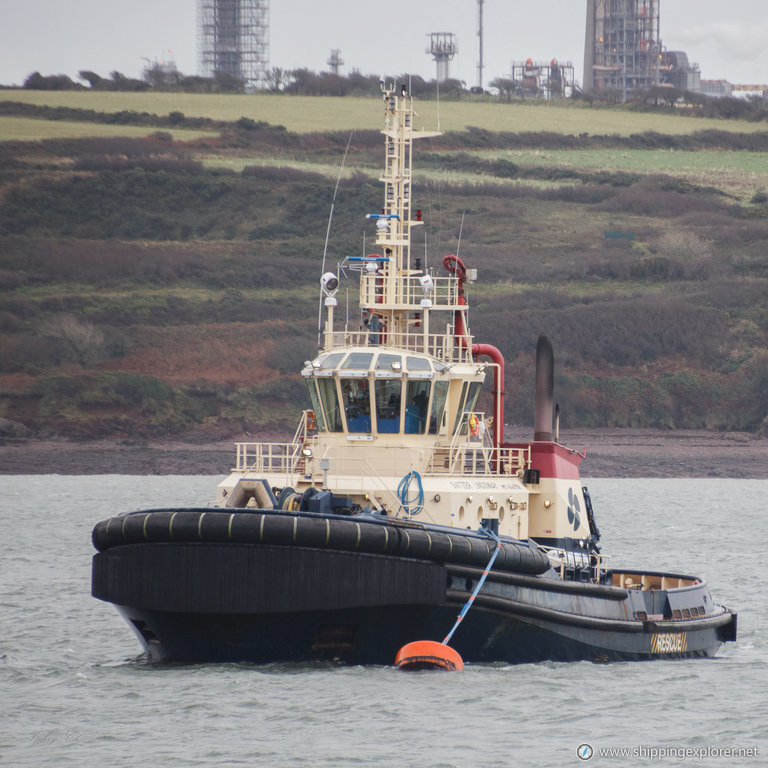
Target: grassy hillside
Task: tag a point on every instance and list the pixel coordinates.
(29, 129)
(152, 286)
(307, 114)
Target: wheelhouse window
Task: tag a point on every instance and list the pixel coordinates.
(438, 406)
(358, 361)
(460, 408)
(418, 364)
(416, 405)
(315, 402)
(388, 405)
(330, 401)
(356, 397)
(472, 393)
(331, 361)
(388, 363)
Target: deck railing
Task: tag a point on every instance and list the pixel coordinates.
(397, 291)
(269, 458)
(469, 459)
(441, 346)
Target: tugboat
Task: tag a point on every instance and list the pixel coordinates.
(397, 503)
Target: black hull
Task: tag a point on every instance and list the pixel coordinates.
(374, 636)
(247, 602)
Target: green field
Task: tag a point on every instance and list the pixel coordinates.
(737, 173)
(305, 114)
(30, 129)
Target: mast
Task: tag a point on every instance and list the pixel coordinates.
(389, 292)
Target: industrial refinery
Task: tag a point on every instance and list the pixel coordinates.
(623, 52)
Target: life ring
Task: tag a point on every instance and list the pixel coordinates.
(311, 421)
(474, 425)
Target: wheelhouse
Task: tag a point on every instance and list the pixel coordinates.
(362, 391)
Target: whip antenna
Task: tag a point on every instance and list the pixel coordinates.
(328, 235)
(461, 229)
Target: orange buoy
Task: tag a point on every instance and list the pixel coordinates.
(428, 654)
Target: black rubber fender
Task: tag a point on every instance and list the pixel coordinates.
(362, 533)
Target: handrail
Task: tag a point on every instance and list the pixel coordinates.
(304, 427)
(384, 486)
(593, 560)
(441, 346)
(467, 458)
(267, 457)
(407, 291)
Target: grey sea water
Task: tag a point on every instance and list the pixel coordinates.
(75, 692)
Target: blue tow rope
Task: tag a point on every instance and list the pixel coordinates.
(479, 586)
(412, 506)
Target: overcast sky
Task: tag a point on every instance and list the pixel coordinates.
(729, 40)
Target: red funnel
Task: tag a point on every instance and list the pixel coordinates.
(428, 654)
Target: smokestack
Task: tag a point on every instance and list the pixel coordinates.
(480, 44)
(545, 377)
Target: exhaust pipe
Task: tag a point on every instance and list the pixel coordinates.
(545, 377)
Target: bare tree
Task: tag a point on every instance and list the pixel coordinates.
(275, 78)
(78, 340)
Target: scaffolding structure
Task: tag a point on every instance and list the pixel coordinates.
(443, 47)
(623, 46)
(542, 79)
(233, 39)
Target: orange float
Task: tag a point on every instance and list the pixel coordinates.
(428, 654)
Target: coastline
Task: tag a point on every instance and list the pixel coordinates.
(609, 453)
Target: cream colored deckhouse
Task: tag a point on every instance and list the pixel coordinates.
(394, 423)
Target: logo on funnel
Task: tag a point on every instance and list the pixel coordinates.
(573, 510)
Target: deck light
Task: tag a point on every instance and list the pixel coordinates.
(330, 284)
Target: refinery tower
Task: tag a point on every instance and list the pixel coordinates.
(233, 39)
(622, 52)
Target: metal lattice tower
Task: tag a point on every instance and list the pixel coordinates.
(443, 47)
(233, 38)
(335, 62)
(623, 45)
